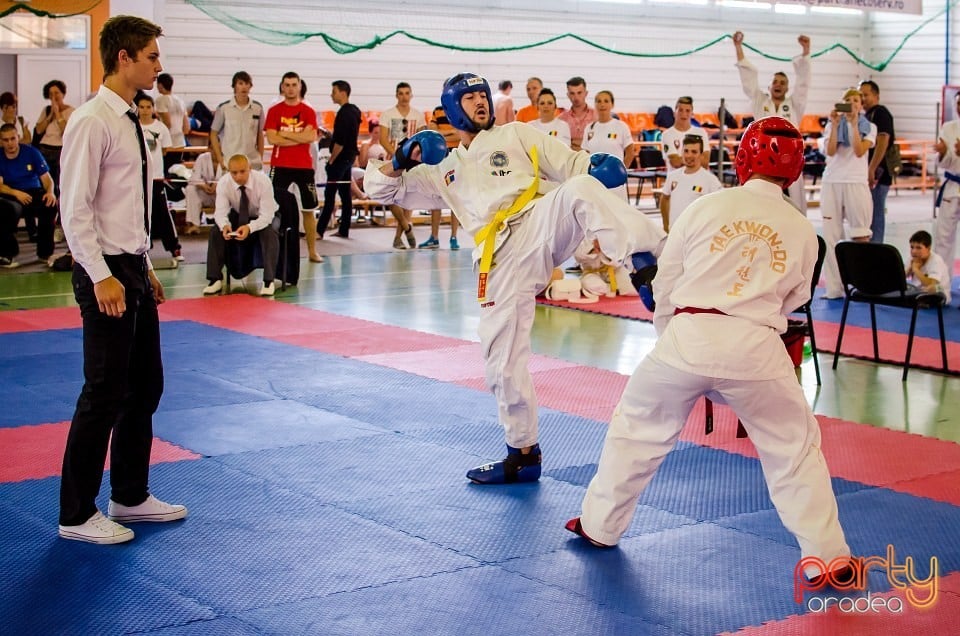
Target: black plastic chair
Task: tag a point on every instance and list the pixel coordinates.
(873, 273)
(653, 167)
(807, 327)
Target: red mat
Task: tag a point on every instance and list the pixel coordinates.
(857, 341)
(619, 306)
(36, 452)
(936, 620)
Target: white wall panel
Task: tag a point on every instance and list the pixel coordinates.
(203, 54)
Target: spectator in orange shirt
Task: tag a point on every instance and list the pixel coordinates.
(531, 111)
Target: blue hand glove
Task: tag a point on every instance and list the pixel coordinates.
(433, 148)
(608, 170)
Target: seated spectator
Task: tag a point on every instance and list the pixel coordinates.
(926, 271)
(245, 207)
(157, 137)
(26, 189)
(201, 190)
(8, 107)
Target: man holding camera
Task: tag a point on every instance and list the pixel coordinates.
(245, 207)
(845, 193)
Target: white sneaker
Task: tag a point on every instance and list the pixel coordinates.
(267, 289)
(213, 288)
(97, 529)
(150, 510)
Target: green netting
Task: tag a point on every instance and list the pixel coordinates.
(262, 23)
(47, 14)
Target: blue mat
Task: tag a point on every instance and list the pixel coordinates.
(332, 500)
(889, 318)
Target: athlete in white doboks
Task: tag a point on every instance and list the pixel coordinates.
(529, 201)
(734, 265)
(774, 102)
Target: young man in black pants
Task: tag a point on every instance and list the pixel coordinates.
(106, 220)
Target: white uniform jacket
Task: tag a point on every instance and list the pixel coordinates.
(478, 181)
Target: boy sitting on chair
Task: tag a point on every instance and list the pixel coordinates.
(926, 271)
(245, 207)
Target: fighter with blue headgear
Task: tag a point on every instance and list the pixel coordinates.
(528, 200)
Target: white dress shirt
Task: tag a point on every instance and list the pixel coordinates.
(263, 206)
(102, 197)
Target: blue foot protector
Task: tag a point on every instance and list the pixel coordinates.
(515, 468)
(644, 271)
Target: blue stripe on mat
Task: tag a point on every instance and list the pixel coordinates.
(888, 318)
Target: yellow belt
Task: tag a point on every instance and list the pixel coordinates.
(488, 235)
(611, 272)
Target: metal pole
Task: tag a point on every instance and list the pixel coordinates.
(936, 165)
(722, 146)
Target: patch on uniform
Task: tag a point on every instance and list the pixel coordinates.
(29, 167)
(785, 108)
(612, 135)
(450, 177)
(499, 159)
(697, 188)
(552, 133)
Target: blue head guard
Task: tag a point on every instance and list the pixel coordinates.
(453, 90)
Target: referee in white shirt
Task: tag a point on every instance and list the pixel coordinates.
(104, 210)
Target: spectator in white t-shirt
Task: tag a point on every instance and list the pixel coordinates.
(503, 112)
(548, 122)
(396, 124)
(687, 184)
(609, 135)
(158, 138)
(926, 270)
(172, 112)
(672, 137)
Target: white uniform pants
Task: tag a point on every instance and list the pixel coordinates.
(838, 202)
(945, 244)
(195, 200)
(542, 239)
(647, 422)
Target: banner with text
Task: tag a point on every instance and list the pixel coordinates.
(896, 6)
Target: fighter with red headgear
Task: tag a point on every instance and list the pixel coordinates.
(529, 201)
(734, 265)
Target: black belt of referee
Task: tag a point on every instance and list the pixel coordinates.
(708, 403)
(698, 310)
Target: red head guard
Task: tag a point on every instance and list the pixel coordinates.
(772, 147)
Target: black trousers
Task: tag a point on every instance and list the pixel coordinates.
(306, 181)
(161, 221)
(339, 175)
(268, 238)
(12, 210)
(123, 382)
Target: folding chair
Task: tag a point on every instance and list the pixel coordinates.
(873, 273)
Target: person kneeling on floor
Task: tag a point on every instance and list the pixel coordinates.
(245, 207)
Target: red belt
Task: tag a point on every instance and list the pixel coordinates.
(698, 310)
